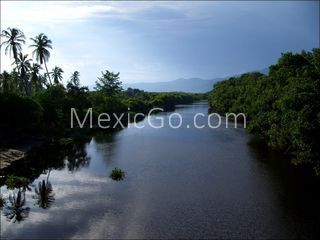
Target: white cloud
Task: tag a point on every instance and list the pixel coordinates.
(50, 12)
(157, 41)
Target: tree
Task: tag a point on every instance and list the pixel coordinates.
(14, 39)
(57, 74)
(74, 79)
(23, 66)
(109, 83)
(17, 84)
(73, 85)
(282, 107)
(41, 45)
(5, 82)
(35, 77)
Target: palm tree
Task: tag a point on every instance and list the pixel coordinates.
(43, 80)
(41, 45)
(75, 78)
(23, 66)
(16, 210)
(14, 39)
(5, 82)
(56, 74)
(74, 82)
(35, 77)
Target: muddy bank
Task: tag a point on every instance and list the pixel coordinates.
(8, 156)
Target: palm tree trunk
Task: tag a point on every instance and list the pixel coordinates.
(23, 79)
(18, 82)
(48, 73)
(25, 82)
(28, 89)
(20, 78)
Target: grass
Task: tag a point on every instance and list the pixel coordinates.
(117, 174)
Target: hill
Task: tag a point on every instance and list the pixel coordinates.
(194, 85)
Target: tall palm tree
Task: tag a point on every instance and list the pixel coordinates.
(75, 78)
(74, 82)
(14, 39)
(23, 66)
(57, 74)
(35, 79)
(41, 45)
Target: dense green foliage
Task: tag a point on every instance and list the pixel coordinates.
(140, 101)
(35, 101)
(109, 83)
(48, 109)
(283, 107)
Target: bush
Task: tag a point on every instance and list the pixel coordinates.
(117, 174)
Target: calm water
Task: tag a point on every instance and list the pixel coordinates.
(180, 183)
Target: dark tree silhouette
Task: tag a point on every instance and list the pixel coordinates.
(57, 74)
(41, 51)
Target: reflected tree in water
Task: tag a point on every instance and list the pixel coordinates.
(44, 194)
(13, 182)
(77, 158)
(16, 211)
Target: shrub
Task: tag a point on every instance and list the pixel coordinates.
(117, 174)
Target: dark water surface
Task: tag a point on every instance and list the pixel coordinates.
(179, 183)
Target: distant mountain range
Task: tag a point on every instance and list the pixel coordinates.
(192, 85)
(195, 85)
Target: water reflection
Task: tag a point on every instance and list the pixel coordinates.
(206, 183)
(16, 210)
(18, 178)
(77, 158)
(44, 193)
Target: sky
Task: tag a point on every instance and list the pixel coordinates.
(163, 41)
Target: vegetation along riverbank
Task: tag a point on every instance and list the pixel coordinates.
(283, 107)
(41, 103)
(35, 105)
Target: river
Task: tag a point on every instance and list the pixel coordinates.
(179, 183)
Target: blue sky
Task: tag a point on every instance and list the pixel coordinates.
(163, 41)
